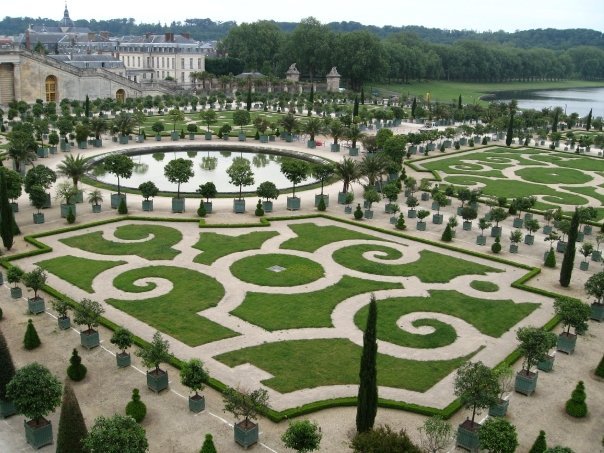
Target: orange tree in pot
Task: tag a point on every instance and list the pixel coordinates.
(153, 356)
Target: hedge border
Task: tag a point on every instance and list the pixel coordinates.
(271, 414)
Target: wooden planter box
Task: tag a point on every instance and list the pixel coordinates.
(347, 209)
(353, 152)
(596, 256)
(147, 205)
(467, 226)
(178, 205)
(65, 210)
(526, 384)
(123, 360)
(90, 339)
(197, 403)
(529, 239)
(467, 436)
(421, 226)
(499, 409)
(7, 408)
(158, 138)
(293, 203)
(264, 139)
(267, 206)
(318, 200)
(584, 265)
(597, 312)
(96, 208)
(368, 214)
(123, 139)
(496, 232)
(561, 247)
(546, 364)
(241, 137)
(38, 218)
(157, 381)
(64, 323)
(239, 205)
(38, 436)
(16, 292)
(566, 342)
(335, 148)
(513, 248)
(208, 136)
(342, 197)
(518, 222)
(580, 236)
(311, 144)
(36, 305)
(207, 206)
(547, 229)
(175, 136)
(116, 198)
(437, 219)
(246, 435)
(587, 230)
(425, 196)
(412, 213)
(481, 240)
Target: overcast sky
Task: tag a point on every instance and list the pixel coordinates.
(508, 15)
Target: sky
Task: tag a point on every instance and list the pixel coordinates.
(480, 15)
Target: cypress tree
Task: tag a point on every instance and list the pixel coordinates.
(566, 270)
(248, 106)
(368, 391)
(362, 95)
(459, 104)
(599, 372)
(31, 340)
(510, 133)
(122, 208)
(7, 367)
(447, 236)
(588, 122)
(208, 445)
(87, 107)
(556, 119)
(6, 215)
(72, 428)
(413, 107)
(355, 107)
(540, 444)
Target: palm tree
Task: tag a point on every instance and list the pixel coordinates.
(336, 130)
(73, 167)
(348, 171)
(313, 127)
(372, 166)
(98, 125)
(124, 123)
(353, 133)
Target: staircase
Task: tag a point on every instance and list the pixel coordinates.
(7, 91)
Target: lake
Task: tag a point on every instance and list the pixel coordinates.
(578, 100)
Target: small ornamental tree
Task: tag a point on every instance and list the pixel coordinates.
(119, 165)
(148, 189)
(497, 435)
(158, 127)
(447, 236)
(575, 406)
(476, 386)
(400, 223)
(383, 440)
(156, 353)
(496, 247)
(76, 370)
(586, 250)
(178, 171)
(35, 280)
(7, 367)
(296, 171)
(136, 408)
(550, 260)
(422, 214)
(31, 340)
(594, 286)
(367, 398)
(572, 313)
(322, 172)
(240, 173)
(88, 313)
(540, 444)
(35, 392)
(599, 370)
(72, 427)
(303, 436)
(194, 375)
(259, 212)
(14, 275)
(535, 344)
(208, 445)
(122, 338)
(245, 404)
(468, 214)
(117, 434)
(208, 117)
(436, 434)
(267, 190)
(208, 190)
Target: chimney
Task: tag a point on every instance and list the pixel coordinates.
(186, 35)
(169, 37)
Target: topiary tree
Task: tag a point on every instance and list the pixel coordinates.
(476, 386)
(496, 247)
(436, 434)
(358, 212)
(267, 190)
(31, 340)
(194, 375)
(302, 435)
(540, 445)
(156, 353)
(400, 223)
(295, 171)
(240, 173)
(447, 235)
(599, 370)
(178, 171)
(72, 427)
(259, 212)
(535, 343)
(572, 313)
(367, 398)
(136, 408)
(383, 440)
(575, 406)
(14, 275)
(76, 370)
(122, 338)
(148, 189)
(35, 280)
(550, 259)
(70, 217)
(119, 165)
(88, 313)
(497, 435)
(208, 445)
(116, 434)
(245, 403)
(208, 190)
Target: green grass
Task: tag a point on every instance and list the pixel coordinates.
(275, 311)
(553, 175)
(312, 237)
(157, 248)
(216, 245)
(574, 161)
(298, 270)
(79, 272)
(430, 268)
(175, 313)
(334, 362)
(497, 158)
(486, 287)
(491, 317)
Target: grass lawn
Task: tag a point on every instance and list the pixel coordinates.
(486, 287)
(424, 268)
(298, 270)
(174, 313)
(334, 362)
(491, 317)
(159, 247)
(312, 237)
(78, 271)
(214, 245)
(551, 175)
(275, 311)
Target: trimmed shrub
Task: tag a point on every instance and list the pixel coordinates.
(550, 260)
(321, 207)
(31, 340)
(72, 428)
(471, 143)
(384, 440)
(496, 247)
(136, 408)
(259, 212)
(7, 367)
(485, 141)
(400, 223)
(600, 368)
(358, 213)
(540, 444)
(447, 236)
(1, 314)
(122, 208)
(457, 146)
(201, 211)
(575, 406)
(208, 445)
(70, 216)
(76, 370)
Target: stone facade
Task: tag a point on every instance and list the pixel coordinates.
(333, 80)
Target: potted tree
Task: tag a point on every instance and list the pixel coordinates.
(390, 192)
(35, 280)
(322, 172)
(348, 171)
(158, 127)
(515, 238)
(535, 344)
(504, 375)
(176, 116)
(312, 127)
(596, 255)
(241, 118)
(13, 275)
(440, 200)
(497, 215)
(208, 191)
(572, 313)
(348, 202)
(53, 141)
(421, 215)
(148, 189)
(477, 388)
(412, 204)
(548, 216)
(14, 186)
(564, 227)
(38, 198)
(483, 224)
(123, 339)
(295, 171)
(194, 376)
(35, 392)
(240, 174)
(66, 192)
(121, 166)
(245, 404)
(531, 225)
(95, 198)
(370, 195)
(586, 249)
(468, 214)
(452, 223)
(393, 217)
(268, 191)
(88, 313)
(178, 171)
(594, 286)
(62, 308)
(40, 176)
(74, 168)
(209, 118)
(153, 356)
(98, 125)
(192, 129)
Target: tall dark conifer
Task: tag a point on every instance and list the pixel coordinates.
(588, 121)
(248, 106)
(566, 270)
(413, 107)
(362, 95)
(6, 215)
(7, 367)
(87, 107)
(459, 104)
(556, 120)
(72, 427)
(368, 392)
(510, 133)
(355, 108)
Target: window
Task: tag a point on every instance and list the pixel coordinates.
(138, 61)
(190, 63)
(182, 77)
(182, 63)
(51, 89)
(120, 95)
(199, 63)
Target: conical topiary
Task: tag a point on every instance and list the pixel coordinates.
(31, 339)
(259, 212)
(201, 211)
(400, 223)
(321, 207)
(550, 259)
(122, 208)
(358, 213)
(600, 368)
(447, 236)
(576, 406)
(540, 444)
(76, 370)
(7, 367)
(136, 408)
(70, 216)
(208, 445)
(72, 428)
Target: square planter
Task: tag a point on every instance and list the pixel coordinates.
(42, 152)
(175, 136)
(529, 239)
(311, 144)
(36, 305)
(353, 152)
(123, 139)
(90, 339)
(481, 240)
(16, 292)
(412, 213)
(596, 256)
(64, 323)
(393, 220)
(7, 408)
(293, 203)
(499, 409)
(496, 232)
(147, 205)
(178, 205)
(513, 248)
(566, 342)
(158, 138)
(437, 219)
(38, 436)
(580, 236)
(318, 200)
(271, 138)
(264, 139)
(584, 265)
(435, 206)
(14, 207)
(192, 136)
(425, 196)
(587, 230)
(52, 149)
(368, 214)
(547, 229)
(116, 198)
(246, 435)
(207, 206)
(528, 216)
(208, 136)
(526, 384)
(467, 226)
(96, 208)
(546, 364)
(421, 226)
(597, 312)
(38, 218)
(241, 137)
(459, 209)
(561, 247)
(197, 403)
(65, 209)
(239, 205)
(467, 436)
(518, 222)
(342, 197)
(157, 381)
(334, 148)
(82, 145)
(347, 209)
(123, 359)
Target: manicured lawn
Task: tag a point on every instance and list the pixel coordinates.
(159, 247)
(297, 270)
(276, 311)
(491, 317)
(486, 287)
(303, 364)
(312, 237)
(174, 313)
(430, 268)
(216, 245)
(79, 272)
(551, 175)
